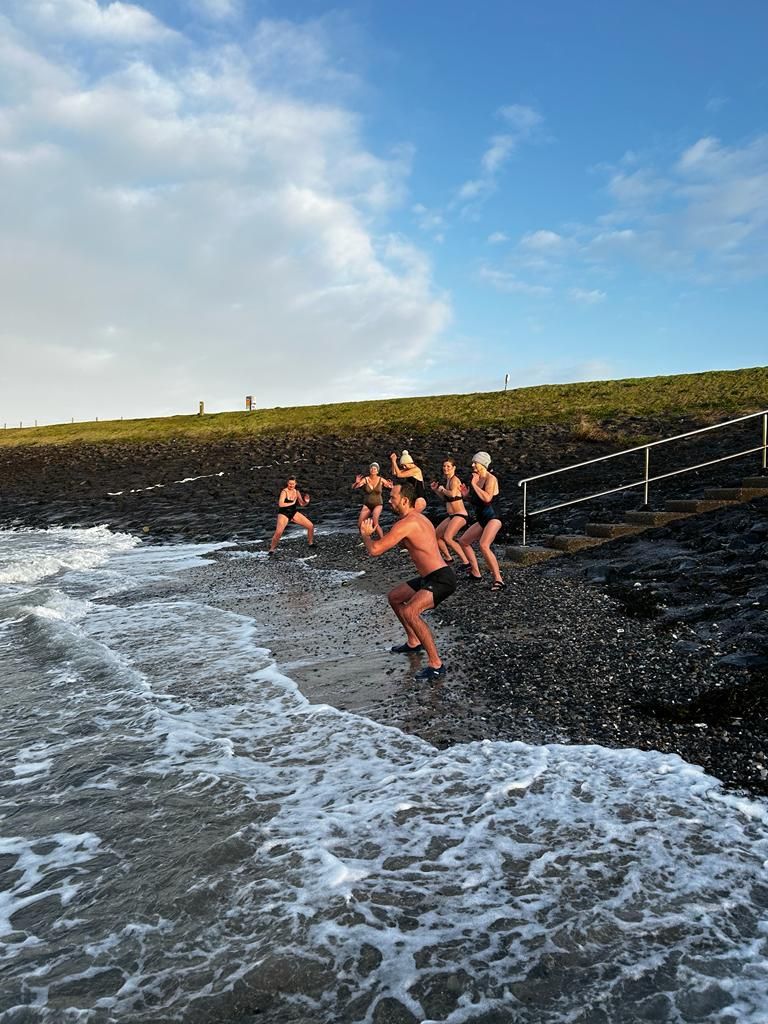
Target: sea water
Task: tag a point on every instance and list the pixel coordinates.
(184, 837)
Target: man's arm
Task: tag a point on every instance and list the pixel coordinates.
(392, 538)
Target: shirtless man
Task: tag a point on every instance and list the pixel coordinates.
(435, 581)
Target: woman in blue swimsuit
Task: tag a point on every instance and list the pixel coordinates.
(482, 491)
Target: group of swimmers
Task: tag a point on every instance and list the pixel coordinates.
(434, 551)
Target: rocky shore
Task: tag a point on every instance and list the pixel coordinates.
(657, 641)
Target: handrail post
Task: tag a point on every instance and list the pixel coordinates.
(765, 440)
(647, 472)
(525, 508)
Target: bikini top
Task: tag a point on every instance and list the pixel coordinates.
(450, 498)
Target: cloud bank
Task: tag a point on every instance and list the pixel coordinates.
(181, 224)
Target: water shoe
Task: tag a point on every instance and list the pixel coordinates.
(431, 673)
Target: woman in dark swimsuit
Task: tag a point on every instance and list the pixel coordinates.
(456, 518)
(288, 504)
(408, 470)
(373, 501)
(482, 491)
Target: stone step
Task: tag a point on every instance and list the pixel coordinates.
(735, 493)
(611, 530)
(654, 518)
(530, 554)
(755, 481)
(695, 505)
(573, 542)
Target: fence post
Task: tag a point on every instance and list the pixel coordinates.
(765, 439)
(525, 508)
(647, 474)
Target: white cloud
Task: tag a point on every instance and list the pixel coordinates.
(544, 241)
(705, 217)
(525, 122)
(431, 221)
(216, 10)
(585, 297)
(505, 281)
(497, 153)
(497, 238)
(285, 53)
(522, 119)
(196, 234)
(636, 189)
(111, 22)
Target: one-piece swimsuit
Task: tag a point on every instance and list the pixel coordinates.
(484, 510)
(372, 494)
(289, 511)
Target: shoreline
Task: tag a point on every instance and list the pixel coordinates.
(653, 642)
(553, 659)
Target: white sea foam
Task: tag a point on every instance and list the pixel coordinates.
(244, 843)
(29, 556)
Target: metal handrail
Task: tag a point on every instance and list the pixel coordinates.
(647, 478)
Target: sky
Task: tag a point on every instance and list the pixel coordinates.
(307, 203)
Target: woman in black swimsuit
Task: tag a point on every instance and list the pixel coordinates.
(373, 501)
(288, 504)
(408, 470)
(482, 491)
(456, 518)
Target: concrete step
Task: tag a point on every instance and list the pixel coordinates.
(695, 505)
(654, 518)
(530, 554)
(755, 481)
(611, 530)
(569, 542)
(735, 493)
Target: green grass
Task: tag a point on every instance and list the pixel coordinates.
(691, 394)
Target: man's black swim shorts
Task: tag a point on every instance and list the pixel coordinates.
(441, 582)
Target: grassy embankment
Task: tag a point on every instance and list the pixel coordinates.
(717, 392)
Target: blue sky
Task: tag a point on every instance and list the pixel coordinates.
(211, 198)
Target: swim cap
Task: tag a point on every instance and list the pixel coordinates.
(482, 459)
(405, 458)
(374, 464)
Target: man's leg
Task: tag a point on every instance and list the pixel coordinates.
(398, 598)
(410, 616)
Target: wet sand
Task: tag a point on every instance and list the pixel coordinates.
(553, 659)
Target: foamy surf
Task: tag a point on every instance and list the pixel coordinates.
(29, 556)
(201, 843)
